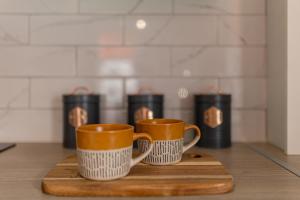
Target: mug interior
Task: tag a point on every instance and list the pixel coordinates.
(162, 129)
(100, 128)
(159, 121)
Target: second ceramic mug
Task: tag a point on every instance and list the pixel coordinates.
(168, 140)
(104, 151)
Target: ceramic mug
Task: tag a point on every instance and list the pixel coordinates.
(104, 151)
(168, 140)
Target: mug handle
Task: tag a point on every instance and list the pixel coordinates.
(195, 140)
(138, 159)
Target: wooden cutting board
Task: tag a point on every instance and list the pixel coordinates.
(195, 175)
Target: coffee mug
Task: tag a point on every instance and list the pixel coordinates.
(104, 151)
(168, 139)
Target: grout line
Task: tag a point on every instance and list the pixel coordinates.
(29, 92)
(241, 77)
(76, 62)
(124, 27)
(218, 30)
(219, 85)
(173, 7)
(124, 96)
(249, 109)
(274, 159)
(171, 67)
(133, 14)
(134, 77)
(141, 45)
(122, 108)
(29, 30)
(78, 6)
(266, 7)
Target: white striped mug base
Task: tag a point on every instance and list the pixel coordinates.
(104, 164)
(164, 152)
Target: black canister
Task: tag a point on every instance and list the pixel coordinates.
(213, 116)
(79, 109)
(145, 106)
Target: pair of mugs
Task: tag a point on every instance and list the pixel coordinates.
(104, 151)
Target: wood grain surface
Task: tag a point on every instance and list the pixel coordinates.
(255, 178)
(195, 175)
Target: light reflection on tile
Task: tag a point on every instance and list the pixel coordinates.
(122, 61)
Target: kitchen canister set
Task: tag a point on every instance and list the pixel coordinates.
(212, 114)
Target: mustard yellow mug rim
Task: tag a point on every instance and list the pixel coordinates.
(92, 128)
(168, 122)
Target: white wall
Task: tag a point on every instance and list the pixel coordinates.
(293, 73)
(283, 74)
(48, 47)
(277, 63)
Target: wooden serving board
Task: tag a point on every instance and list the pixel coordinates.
(194, 175)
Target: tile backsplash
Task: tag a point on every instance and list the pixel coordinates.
(48, 47)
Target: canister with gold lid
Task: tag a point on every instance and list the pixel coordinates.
(213, 117)
(145, 106)
(80, 107)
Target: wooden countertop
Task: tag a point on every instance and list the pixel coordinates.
(255, 177)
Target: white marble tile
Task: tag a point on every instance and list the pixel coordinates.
(110, 116)
(246, 93)
(125, 6)
(178, 92)
(37, 61)
(153, 7)
(47, 93)
(171, 30)
(38, 6)
(218, 61)
(248, 126)
(59, 30)
(15, 93)
(123, 61)
(220, 6)
(180, 48)
(30, 125)
(13, 29)
(242, 30)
